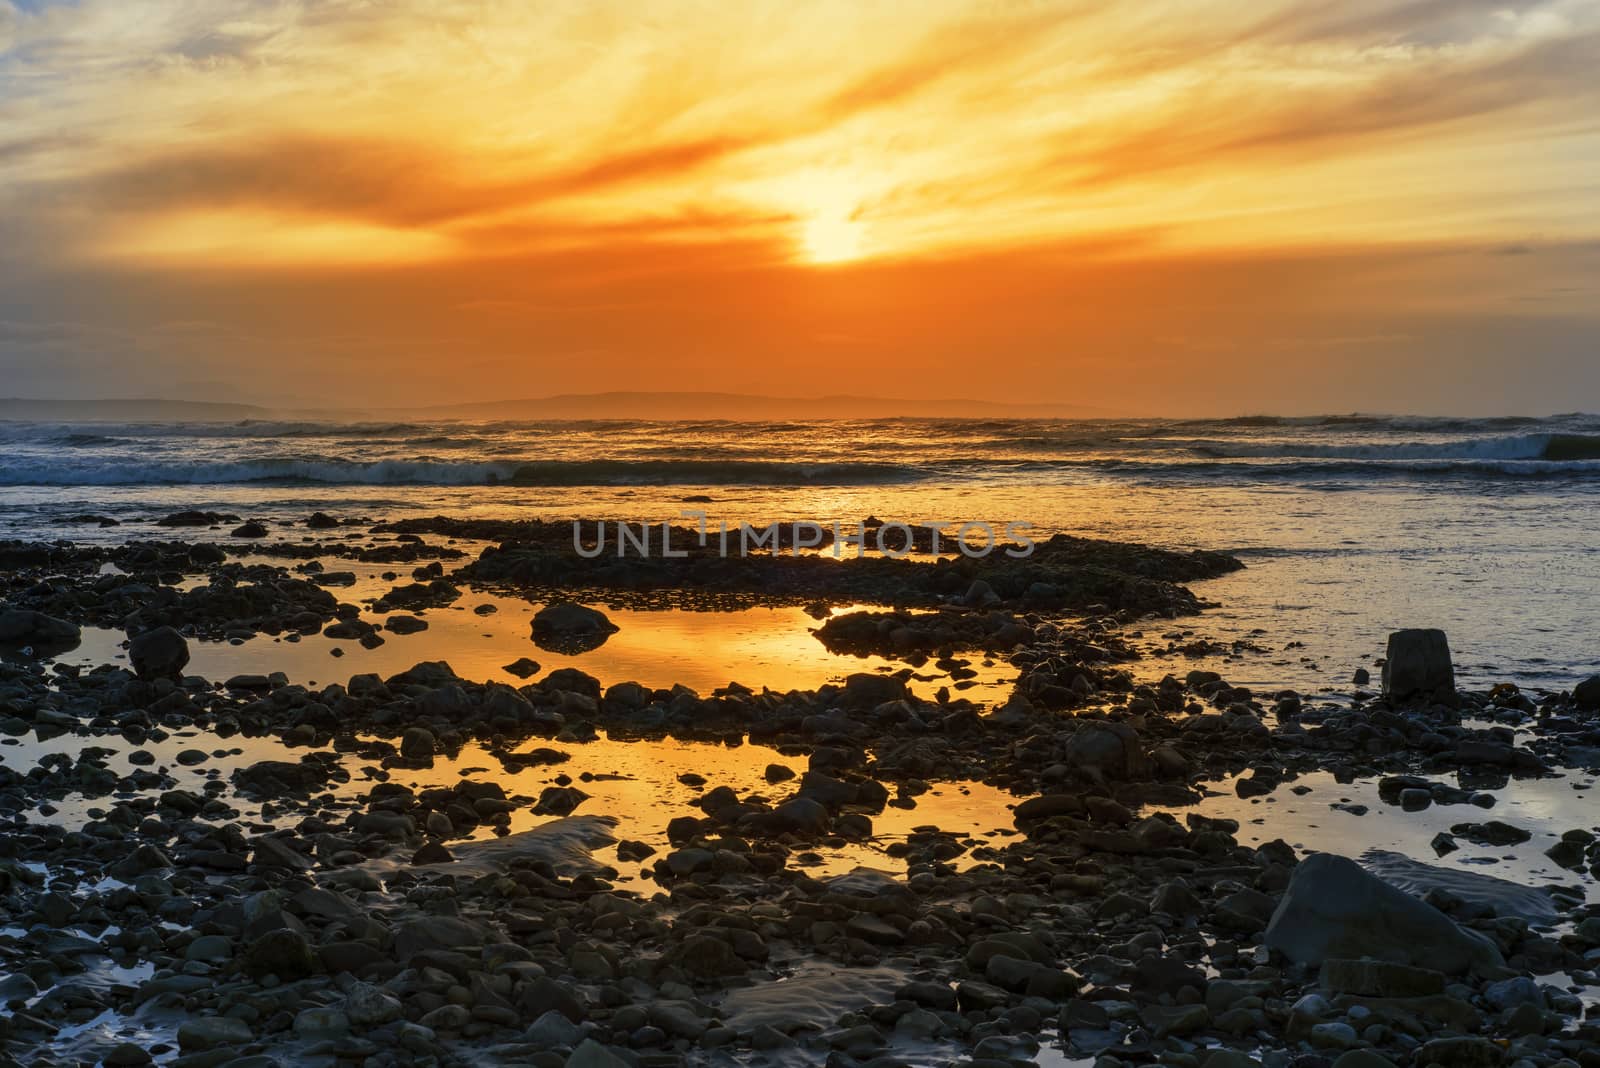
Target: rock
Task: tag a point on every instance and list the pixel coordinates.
(1046, 806)
(591, 1054)
(565, 627)
(1586, 695)
(447, 1018)
(368, 1006)
(321, 521)
(704, 957)
(803, 815)
(1175, 1020)
(1508, 993)
(1381, 979)
(19, 625)
(1362, 1058)
(161, 653)
(1334, 908)
(1107, 750)
(1466, 1052)
(283, 953)
(553, 1029)
(250, 529)
(405, 625)
(209, 1032)
(1418, 664)
(127, 1055)
(980, 595)
(1334, 1035)
(417, 743)
(559, 800)
(522, 668)
(320, 1024)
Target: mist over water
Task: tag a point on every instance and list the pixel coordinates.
(1351, 525)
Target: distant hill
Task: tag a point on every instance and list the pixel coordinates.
(619, 405)
(134, 410)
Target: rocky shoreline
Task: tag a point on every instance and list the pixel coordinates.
(305, 905)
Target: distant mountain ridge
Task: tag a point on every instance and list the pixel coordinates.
(613, 405)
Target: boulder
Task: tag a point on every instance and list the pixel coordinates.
(1107, 750)
(19, 625)
(1333, 908)
(564, 627)
(1417, 665)
(1586, 695)
(161, 653)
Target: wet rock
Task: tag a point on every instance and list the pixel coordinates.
(284, 953)
(565, 627)
(1418, 664)
(1463, 1052)
(522, 667)
(367, 1006)
(1586, 695)
(1334, 908)
(211, 1032)
(1376, 978)
(559, 800)
(417, 743)
(704, 957)
(19, 625)
(405, 625)
(1107, 751)
(161, 653)
(321, 1024)
(591, 1054)
(250, 529)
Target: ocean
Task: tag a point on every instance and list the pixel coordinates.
(1350, 526)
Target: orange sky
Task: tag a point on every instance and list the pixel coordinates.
(1177, 207)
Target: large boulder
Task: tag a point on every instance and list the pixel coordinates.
(1107, 750)
(1586, 695)
(18, 625)
(1418, 665)
(159, 654)
(564, 627)
(1335, 909)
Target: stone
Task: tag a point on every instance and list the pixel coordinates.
(1377, 978)
(1335, 909)
(1362, 1058)
(161, 653)
(553, 1029)
(417, 743)
(1107, 750)
(283, 953)
(1586, 695)
(1507, 993)
(18, 625)
(704, 957)
(591, 1054)
(522, 667)
(321, 1023)
(564, 627)
(1165, 1020)
(210, 1032)
(1464, 1052)
(369, 1006)
(1418, 664)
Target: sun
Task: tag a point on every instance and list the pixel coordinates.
(831, 239)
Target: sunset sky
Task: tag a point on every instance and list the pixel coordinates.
(1193, 207)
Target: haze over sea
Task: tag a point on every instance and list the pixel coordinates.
(1350, 525)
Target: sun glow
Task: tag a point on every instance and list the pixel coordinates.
(831, 239)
